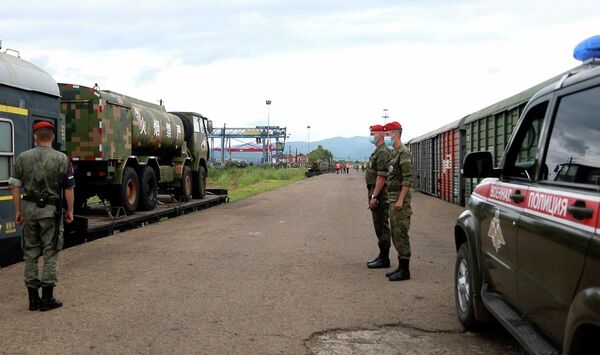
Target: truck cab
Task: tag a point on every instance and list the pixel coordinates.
(528, 242)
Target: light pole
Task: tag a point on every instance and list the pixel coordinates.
(308, 145)
(385, 115)
(268, 102)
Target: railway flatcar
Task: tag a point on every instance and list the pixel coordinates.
(27, 95)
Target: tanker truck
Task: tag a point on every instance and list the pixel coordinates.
(126, 151)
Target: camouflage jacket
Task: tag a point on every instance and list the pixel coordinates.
(378, 164)
(400, 172)
(39, 170)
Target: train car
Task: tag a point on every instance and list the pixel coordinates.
(490, 128)
(27, 95)
(437, 156)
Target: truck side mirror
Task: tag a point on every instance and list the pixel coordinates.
(479, 165)
(209, 126)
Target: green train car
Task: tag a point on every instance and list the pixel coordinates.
(27, 95)
(437, 155)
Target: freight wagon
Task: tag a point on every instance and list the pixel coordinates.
(437, 156)
(436, 162)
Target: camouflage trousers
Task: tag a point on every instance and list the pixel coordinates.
(381, 221)
(38, 241)
(399, 226)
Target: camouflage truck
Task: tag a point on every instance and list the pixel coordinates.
(127, 151)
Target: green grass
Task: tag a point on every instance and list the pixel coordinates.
(245, 182)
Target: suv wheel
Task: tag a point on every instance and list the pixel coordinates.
(463, 285)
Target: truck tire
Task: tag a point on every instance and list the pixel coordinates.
(188, 127)
(148, 189)
(127, 195)
(199, 181)
(184, 191)
(464, 290)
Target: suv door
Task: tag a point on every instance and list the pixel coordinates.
(500, 216)
(560, 213)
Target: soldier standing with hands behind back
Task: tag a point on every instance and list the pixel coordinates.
(398, 185)
(43, 173)
(375, 176)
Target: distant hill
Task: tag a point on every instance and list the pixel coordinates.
(355, 148)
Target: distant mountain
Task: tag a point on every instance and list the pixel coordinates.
(355, 148)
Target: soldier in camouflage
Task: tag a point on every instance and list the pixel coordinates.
(375, 176)
(398, 185)
(42, 173)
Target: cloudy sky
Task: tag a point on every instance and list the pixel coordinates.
(333, 65)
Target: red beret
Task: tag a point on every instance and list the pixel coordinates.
(377, 128)
(392, 126)
(43, 124)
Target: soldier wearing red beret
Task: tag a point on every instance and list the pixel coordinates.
(42, 173)
(398, 185)
(375, 176)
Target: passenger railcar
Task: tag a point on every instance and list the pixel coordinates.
(27, 95)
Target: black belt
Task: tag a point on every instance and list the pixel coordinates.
(49, 201)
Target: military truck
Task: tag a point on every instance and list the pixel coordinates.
(528, 243)
(127, 151)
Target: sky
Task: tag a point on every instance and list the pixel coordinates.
(332, 65)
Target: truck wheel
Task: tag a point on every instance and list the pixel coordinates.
(184, 192)
(464, 289)
(127, 195)
(199, 180)
(148, 189)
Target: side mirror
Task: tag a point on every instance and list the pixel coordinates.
(209, 126)
(479, 165)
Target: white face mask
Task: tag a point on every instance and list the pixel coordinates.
(372, 139)
(388, 141)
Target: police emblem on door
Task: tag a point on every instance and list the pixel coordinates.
(495, 232)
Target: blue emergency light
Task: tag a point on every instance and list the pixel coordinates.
(588, 49)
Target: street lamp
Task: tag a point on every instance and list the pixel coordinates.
(308, 145)
(268, 102)
(385, 115)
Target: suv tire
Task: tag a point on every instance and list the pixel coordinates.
(463, 288)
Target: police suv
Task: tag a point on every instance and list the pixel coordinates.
(528, 243)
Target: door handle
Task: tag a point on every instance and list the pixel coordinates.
(579, 211)
(517, 197)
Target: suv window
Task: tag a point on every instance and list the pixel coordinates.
(520, 161)
(574, 147)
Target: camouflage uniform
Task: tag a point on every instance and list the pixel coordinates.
(41, 170)
(377, 166)
(400, 174)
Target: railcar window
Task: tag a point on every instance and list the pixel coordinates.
(6, 150)
(574, 148)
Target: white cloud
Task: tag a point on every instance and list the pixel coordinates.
(334, 66)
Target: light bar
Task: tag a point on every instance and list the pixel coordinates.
(588, 49)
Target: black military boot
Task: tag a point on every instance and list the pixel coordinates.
(382, 260)
(402, 273)
(48, 301)
(34, 299)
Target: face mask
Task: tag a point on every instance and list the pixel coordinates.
(388, 141)
(372, 139)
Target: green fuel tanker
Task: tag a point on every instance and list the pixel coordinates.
(126, 150)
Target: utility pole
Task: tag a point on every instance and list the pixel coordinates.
(268, 102)
(308, 145)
